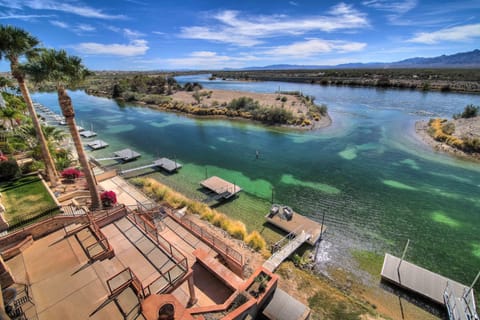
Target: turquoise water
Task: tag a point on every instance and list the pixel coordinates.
(376, 182)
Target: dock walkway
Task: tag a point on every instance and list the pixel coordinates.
(431, 285)
(298, 223)
(163, 163)
(277, 258)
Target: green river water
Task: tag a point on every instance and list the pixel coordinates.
(376, 182)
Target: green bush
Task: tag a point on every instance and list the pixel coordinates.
(9, 170)
(470, 111)
(448, 127)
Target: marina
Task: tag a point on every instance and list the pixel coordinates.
(285, 218)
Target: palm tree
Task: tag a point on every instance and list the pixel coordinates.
(4, 83)
(14, 43)
(9, 115)
(62, 70)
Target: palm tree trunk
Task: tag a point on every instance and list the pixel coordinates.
(47, 157)
(67, 108)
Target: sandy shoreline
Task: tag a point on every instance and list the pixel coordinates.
(421, 128)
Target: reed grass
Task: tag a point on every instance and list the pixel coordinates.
(237, 229)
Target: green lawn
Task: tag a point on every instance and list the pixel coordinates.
(24, 199)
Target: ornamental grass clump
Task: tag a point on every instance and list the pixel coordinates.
(235, 228)
(256, 241)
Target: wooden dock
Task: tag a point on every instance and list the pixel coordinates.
(222, 188)
(127, 155)
(297, 224)
(88, 134)
(167, 164)
(163, 163)
(97, 144)
(455, 296)
(277, 258)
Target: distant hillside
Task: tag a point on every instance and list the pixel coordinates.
(469, 59)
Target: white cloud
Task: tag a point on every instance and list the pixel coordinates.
(59, 24)
(399, 7)
(78, 29)
(85, 27)
(80, 10)
(210, 60)
(455, 34)
(293, 3)
(12, 4)
(316, 46)
(132, 34)
(114, 29)
(250, 30)
(395, 8)
(25, 17)
(134, 48)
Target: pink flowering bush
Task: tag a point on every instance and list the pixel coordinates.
(109, 198)
(71, 173)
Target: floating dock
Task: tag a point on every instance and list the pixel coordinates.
(221, 188)
(456, 297)
(97, 144)
(297, 224)
(127, 155)
(167, 164)
(123, 155)
(88, 134)
(163, 163)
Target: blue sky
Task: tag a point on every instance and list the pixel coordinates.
(201, 34)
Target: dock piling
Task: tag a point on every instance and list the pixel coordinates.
(403, 255)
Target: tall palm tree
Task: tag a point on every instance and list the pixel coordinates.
(9, 115)
(4, 83)
(62, 70)
(14, 43)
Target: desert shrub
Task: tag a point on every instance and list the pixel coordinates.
(471, 144)
(448, 127)
(470, 111)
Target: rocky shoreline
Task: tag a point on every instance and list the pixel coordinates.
(463, 127)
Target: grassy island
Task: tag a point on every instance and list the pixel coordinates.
(292, 109)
